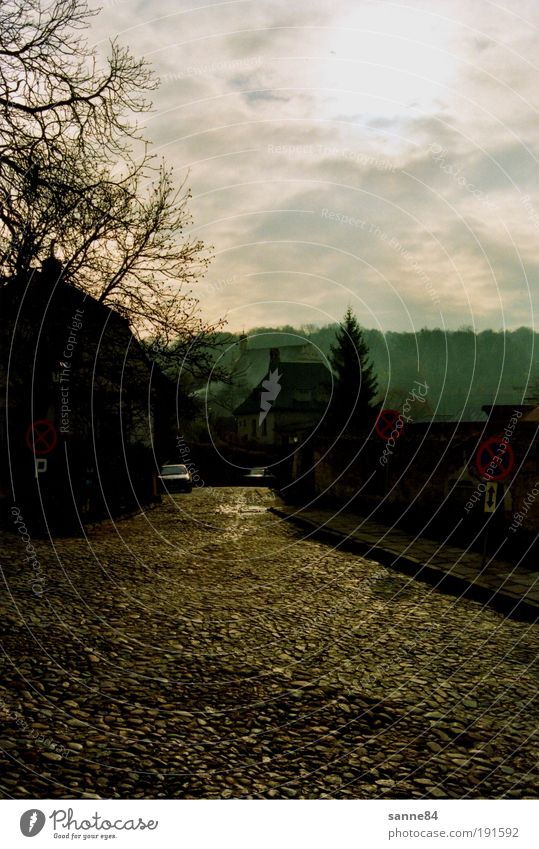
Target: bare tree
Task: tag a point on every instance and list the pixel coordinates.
(76, 173)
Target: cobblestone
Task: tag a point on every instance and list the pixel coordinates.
(204, 650)
(493, 581)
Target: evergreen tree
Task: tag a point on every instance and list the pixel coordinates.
(354, 383)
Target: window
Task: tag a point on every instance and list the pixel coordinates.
(173, 470)
(253, 427)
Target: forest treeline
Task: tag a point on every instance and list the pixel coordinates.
(464, 370)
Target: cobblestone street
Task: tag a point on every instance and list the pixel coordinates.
(205, 650)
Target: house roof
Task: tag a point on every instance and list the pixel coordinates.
(292, 377)
(505, 411)
(532, 416)
(45, 307)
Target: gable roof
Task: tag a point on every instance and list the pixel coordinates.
(40, 312)
(292, 377)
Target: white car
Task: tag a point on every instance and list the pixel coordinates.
(175, 478)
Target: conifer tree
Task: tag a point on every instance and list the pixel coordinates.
(354, 383)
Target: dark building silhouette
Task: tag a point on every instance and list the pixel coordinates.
(80, 405)
(287, 403)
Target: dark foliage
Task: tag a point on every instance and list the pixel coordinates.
(354, 384)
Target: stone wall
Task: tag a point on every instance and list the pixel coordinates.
(431, 471)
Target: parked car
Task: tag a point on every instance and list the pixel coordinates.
(175, 478)
(259, 476)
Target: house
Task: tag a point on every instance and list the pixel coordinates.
(79, 409)
(287, 404)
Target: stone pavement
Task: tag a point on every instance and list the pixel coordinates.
(502, 585)
(204, 649)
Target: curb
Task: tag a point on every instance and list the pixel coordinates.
(512, 606)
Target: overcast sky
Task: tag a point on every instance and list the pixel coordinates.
(380, 154)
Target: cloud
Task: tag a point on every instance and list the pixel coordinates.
(421, 123)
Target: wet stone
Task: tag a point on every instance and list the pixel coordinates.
(267, 666)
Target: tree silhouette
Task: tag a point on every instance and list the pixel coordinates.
(351, 409)
(75, 170)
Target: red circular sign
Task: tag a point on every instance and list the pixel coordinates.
(492, 457)
(41, 436)
(385, 424)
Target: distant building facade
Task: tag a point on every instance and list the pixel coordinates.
(288, 403)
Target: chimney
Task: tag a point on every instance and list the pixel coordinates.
(51, 267)
(275, 359)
